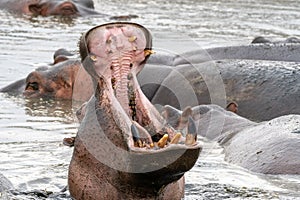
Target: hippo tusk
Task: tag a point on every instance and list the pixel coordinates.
(191, 136)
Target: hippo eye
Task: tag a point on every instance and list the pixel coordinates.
(68, 10)
(32, 86)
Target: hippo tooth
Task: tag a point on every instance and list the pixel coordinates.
(132, 38)
(148, 52)
(108, 41)
(136, 136)
(176, 138)
(140, 136)
(93, 58)
(163, 141)
(191, 136)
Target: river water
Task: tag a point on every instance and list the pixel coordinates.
(31, 152)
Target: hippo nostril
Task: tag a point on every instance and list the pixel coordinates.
(35, 9)
(32, 86)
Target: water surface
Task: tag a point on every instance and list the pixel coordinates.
(31, 152)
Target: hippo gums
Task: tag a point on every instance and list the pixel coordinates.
(49, 7)
(124, 148)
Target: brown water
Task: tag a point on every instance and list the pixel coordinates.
(31, 152)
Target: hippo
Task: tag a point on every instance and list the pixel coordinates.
(269, 147)
(54, 81)
(47, 82)
(257, 77)
(60, 55)
(263, 79)
(123, 148)
(261, 39)
(50, 7)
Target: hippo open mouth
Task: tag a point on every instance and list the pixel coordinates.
(156, 153)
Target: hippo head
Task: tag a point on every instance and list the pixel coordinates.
(52, 82)
(60, 7)
(124, 148)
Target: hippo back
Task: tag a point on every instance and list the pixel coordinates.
(5, 184)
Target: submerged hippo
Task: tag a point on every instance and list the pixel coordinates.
(124, 149)
(270, 147)
(47, 82)
(55, 81)
(263, 79)
(49, 7)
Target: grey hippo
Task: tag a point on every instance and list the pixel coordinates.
(270, 147)
(124, 149)
(49, 7)
(262, 79)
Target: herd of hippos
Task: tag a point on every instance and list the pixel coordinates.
(128, 147)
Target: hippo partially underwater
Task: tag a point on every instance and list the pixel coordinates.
(123, 148)
(262, 78)
(49, 7)
(69, 8)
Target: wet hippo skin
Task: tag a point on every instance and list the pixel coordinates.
(262, 86)
(270, 147)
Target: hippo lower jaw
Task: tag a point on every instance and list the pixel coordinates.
(141, 154)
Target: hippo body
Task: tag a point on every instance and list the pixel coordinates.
(49, 7)
(270, 147)
(253, 76)
(264, 79)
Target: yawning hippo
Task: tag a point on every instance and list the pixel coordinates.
(124, 149)
(49, 7)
